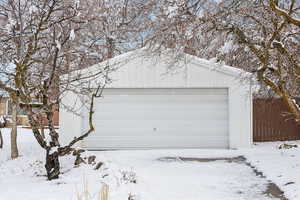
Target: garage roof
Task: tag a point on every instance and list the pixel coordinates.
(164, 56)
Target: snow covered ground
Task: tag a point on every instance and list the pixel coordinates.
(144, 177)
(282, 166)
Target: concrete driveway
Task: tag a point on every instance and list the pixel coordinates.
(162, 175)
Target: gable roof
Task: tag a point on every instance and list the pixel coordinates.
(164, 56)
(187, 58)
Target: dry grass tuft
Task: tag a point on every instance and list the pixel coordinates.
(86, 195)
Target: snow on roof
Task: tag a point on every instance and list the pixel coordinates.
(187, 58)
(213, 65)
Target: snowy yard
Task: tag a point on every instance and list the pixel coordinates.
(145, 176)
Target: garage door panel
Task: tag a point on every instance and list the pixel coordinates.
(154, 112)
(163, 115)
(158, 142)
(160, 107)
(133, 132)
(161, 125)
(160, 104)
(159, 99)
(165, 91)
(141, 118)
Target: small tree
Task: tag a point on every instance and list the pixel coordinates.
(43, 40)
(13, 134)
(37, 39)
(6, 83)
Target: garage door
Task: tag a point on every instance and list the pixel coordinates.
(160, 118)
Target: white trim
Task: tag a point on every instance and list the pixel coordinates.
(251, 113)
(229, 118)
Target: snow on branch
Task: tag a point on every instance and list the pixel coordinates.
(284, 14)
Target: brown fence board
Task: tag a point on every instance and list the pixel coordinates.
(271, 121)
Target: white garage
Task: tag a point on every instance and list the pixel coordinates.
(199, 105)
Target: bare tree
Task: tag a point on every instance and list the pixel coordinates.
(115, 27)
(44, 44)
(262, 37)
(13, 134)
(14, 108)
(33, 57)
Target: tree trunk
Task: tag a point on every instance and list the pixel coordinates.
(292, 105)
(13, 135)
(52, 132)
(1, 140)
(41, 125)
(52, 158)
(43, 132)
(52, 165)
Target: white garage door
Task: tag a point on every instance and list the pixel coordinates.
(160, 118)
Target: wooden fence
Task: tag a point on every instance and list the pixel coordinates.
(272, 122)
